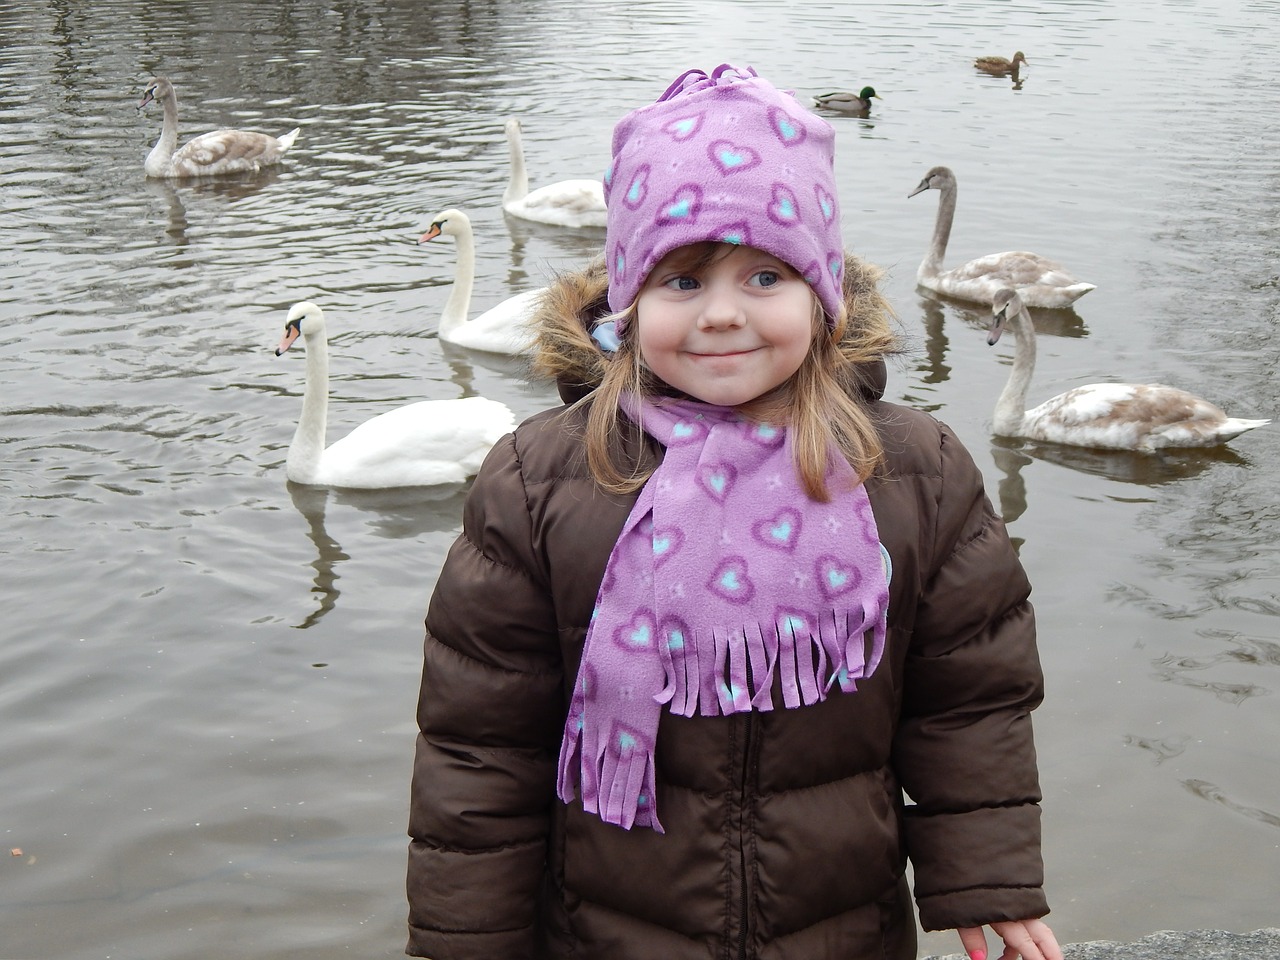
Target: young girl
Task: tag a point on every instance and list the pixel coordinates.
(727, 638)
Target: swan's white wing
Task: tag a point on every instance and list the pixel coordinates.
(420, 444)
(568, 203)
(229, 151)
(1040, 282)
(1127, 416)
(504, 328)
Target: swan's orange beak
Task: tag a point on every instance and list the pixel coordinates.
(430, 234)
(291, 333)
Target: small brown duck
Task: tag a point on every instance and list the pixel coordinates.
(999, 66)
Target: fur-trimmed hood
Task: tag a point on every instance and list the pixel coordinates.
(577, 300)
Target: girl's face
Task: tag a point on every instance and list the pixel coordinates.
(724, 331)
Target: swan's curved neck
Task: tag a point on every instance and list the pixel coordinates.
(1011, 408)
(457, 307)
(931, 266)
(158, 158)
(518, 181)
(308, 440)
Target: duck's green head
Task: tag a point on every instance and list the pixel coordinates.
(869, 92)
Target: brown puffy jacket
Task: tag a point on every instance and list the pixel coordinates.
(788, 832)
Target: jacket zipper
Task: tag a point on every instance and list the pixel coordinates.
(742, 837)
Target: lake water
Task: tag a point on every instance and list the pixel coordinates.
(207, 677)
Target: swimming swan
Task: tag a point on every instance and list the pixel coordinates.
(568, 203)
(210, 154)
(1039, 281)
(847, 102)
(999, 65)
(421, 444)
(503, 329)
(1115, 416)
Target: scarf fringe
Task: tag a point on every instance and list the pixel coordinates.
(621, 771)
(616, 770)
(748, 661)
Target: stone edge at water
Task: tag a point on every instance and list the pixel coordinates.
(1261, 944)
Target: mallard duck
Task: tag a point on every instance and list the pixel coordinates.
(421, 444)
(501, 329)
(1039, 281)
(847, 102)
(1114, 416)
(210, 154)
(567, 203)
(999, 65)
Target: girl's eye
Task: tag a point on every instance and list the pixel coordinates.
(765, 278)
(682, 283)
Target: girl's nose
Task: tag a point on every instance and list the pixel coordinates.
(721, 309)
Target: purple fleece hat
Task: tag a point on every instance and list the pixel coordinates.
(728, 158)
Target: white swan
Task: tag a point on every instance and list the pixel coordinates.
(568, 203)
(502, 329)
(1039, 281)
(210, 154)
(1115, 416)
(422, 444)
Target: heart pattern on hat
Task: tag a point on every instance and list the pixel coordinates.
(639, 188)
(730, 158)
(788, 129)
(826, 203)
(738, 233)
(784, 209)
(683, 128)
(683, 207)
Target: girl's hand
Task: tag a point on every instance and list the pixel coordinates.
(1028, 939)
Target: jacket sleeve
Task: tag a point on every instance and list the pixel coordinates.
(964, 750)
(489, 716)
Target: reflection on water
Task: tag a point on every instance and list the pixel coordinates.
(177, 613)
(1012, 457)
(463, 360)
(1126, 466)
(1209, 791)
(1011, 489)
(1177, 670)
(164, 191)
(933, 365)
(310, 502)
(972, 321)
(1233, 650)
(1065, 322)
(1160, 749)
(396, 514)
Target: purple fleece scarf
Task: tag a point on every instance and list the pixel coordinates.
(726, 576)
